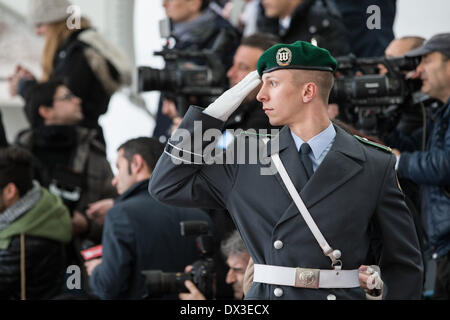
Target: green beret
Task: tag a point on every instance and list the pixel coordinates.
(298, 55)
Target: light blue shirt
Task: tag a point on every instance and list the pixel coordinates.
(320, 145)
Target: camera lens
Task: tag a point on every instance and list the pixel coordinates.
(150, 79)
(159, 283)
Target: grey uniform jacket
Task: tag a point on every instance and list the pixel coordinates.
(354, 186)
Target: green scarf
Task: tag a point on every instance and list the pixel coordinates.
(49, 219)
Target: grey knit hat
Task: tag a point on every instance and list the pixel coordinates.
(47, 11)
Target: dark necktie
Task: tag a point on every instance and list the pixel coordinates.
(305, 149)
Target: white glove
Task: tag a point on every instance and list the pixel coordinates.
(374, 281)
(231, 99)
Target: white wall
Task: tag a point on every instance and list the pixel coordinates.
(423, 18)
(124, 120)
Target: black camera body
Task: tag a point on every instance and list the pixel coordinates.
(160, 283)
(370, 88)
(370, 98)
(190, 76)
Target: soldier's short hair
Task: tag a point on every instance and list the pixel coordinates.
(150, 149)
(233, 245)
(16, 166)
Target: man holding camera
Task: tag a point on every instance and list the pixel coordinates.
(430, 168)
(139, 232)
(194, 27)
(347, 186)
(237, 257)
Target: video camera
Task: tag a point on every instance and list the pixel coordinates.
(190, 77)
(371, 98)
(159, 283)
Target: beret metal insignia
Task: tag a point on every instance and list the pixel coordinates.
(284, 57)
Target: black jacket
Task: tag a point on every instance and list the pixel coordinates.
(430, 169)
(140, 234)
(312, 19)
(70, 158)
(45, 263)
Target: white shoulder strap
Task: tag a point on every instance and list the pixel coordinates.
(327, 250)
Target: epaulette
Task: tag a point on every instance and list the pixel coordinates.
(373, 144)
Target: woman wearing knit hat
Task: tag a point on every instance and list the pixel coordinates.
(91, 68)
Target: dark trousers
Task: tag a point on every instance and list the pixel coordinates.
(442, 284)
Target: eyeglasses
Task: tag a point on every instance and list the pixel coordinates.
(65, 97)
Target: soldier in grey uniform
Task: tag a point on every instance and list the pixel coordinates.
(348, 187)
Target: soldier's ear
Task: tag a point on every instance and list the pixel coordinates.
(309, 92)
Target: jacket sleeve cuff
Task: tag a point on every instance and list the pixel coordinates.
(402, 165)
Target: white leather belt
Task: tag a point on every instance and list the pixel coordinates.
(305, 277)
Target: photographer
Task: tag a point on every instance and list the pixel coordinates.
(237, 258)
(410, 116)
(430, 168)
(195, 27)
(240, 273)
(139, 232)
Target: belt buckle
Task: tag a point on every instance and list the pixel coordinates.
(307, 278)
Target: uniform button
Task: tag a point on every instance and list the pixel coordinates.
(331, 297)
(278, 292)
(278, 244)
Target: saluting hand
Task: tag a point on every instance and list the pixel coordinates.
(231, 99)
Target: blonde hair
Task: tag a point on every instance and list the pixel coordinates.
(56, 34)
(324, 80)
